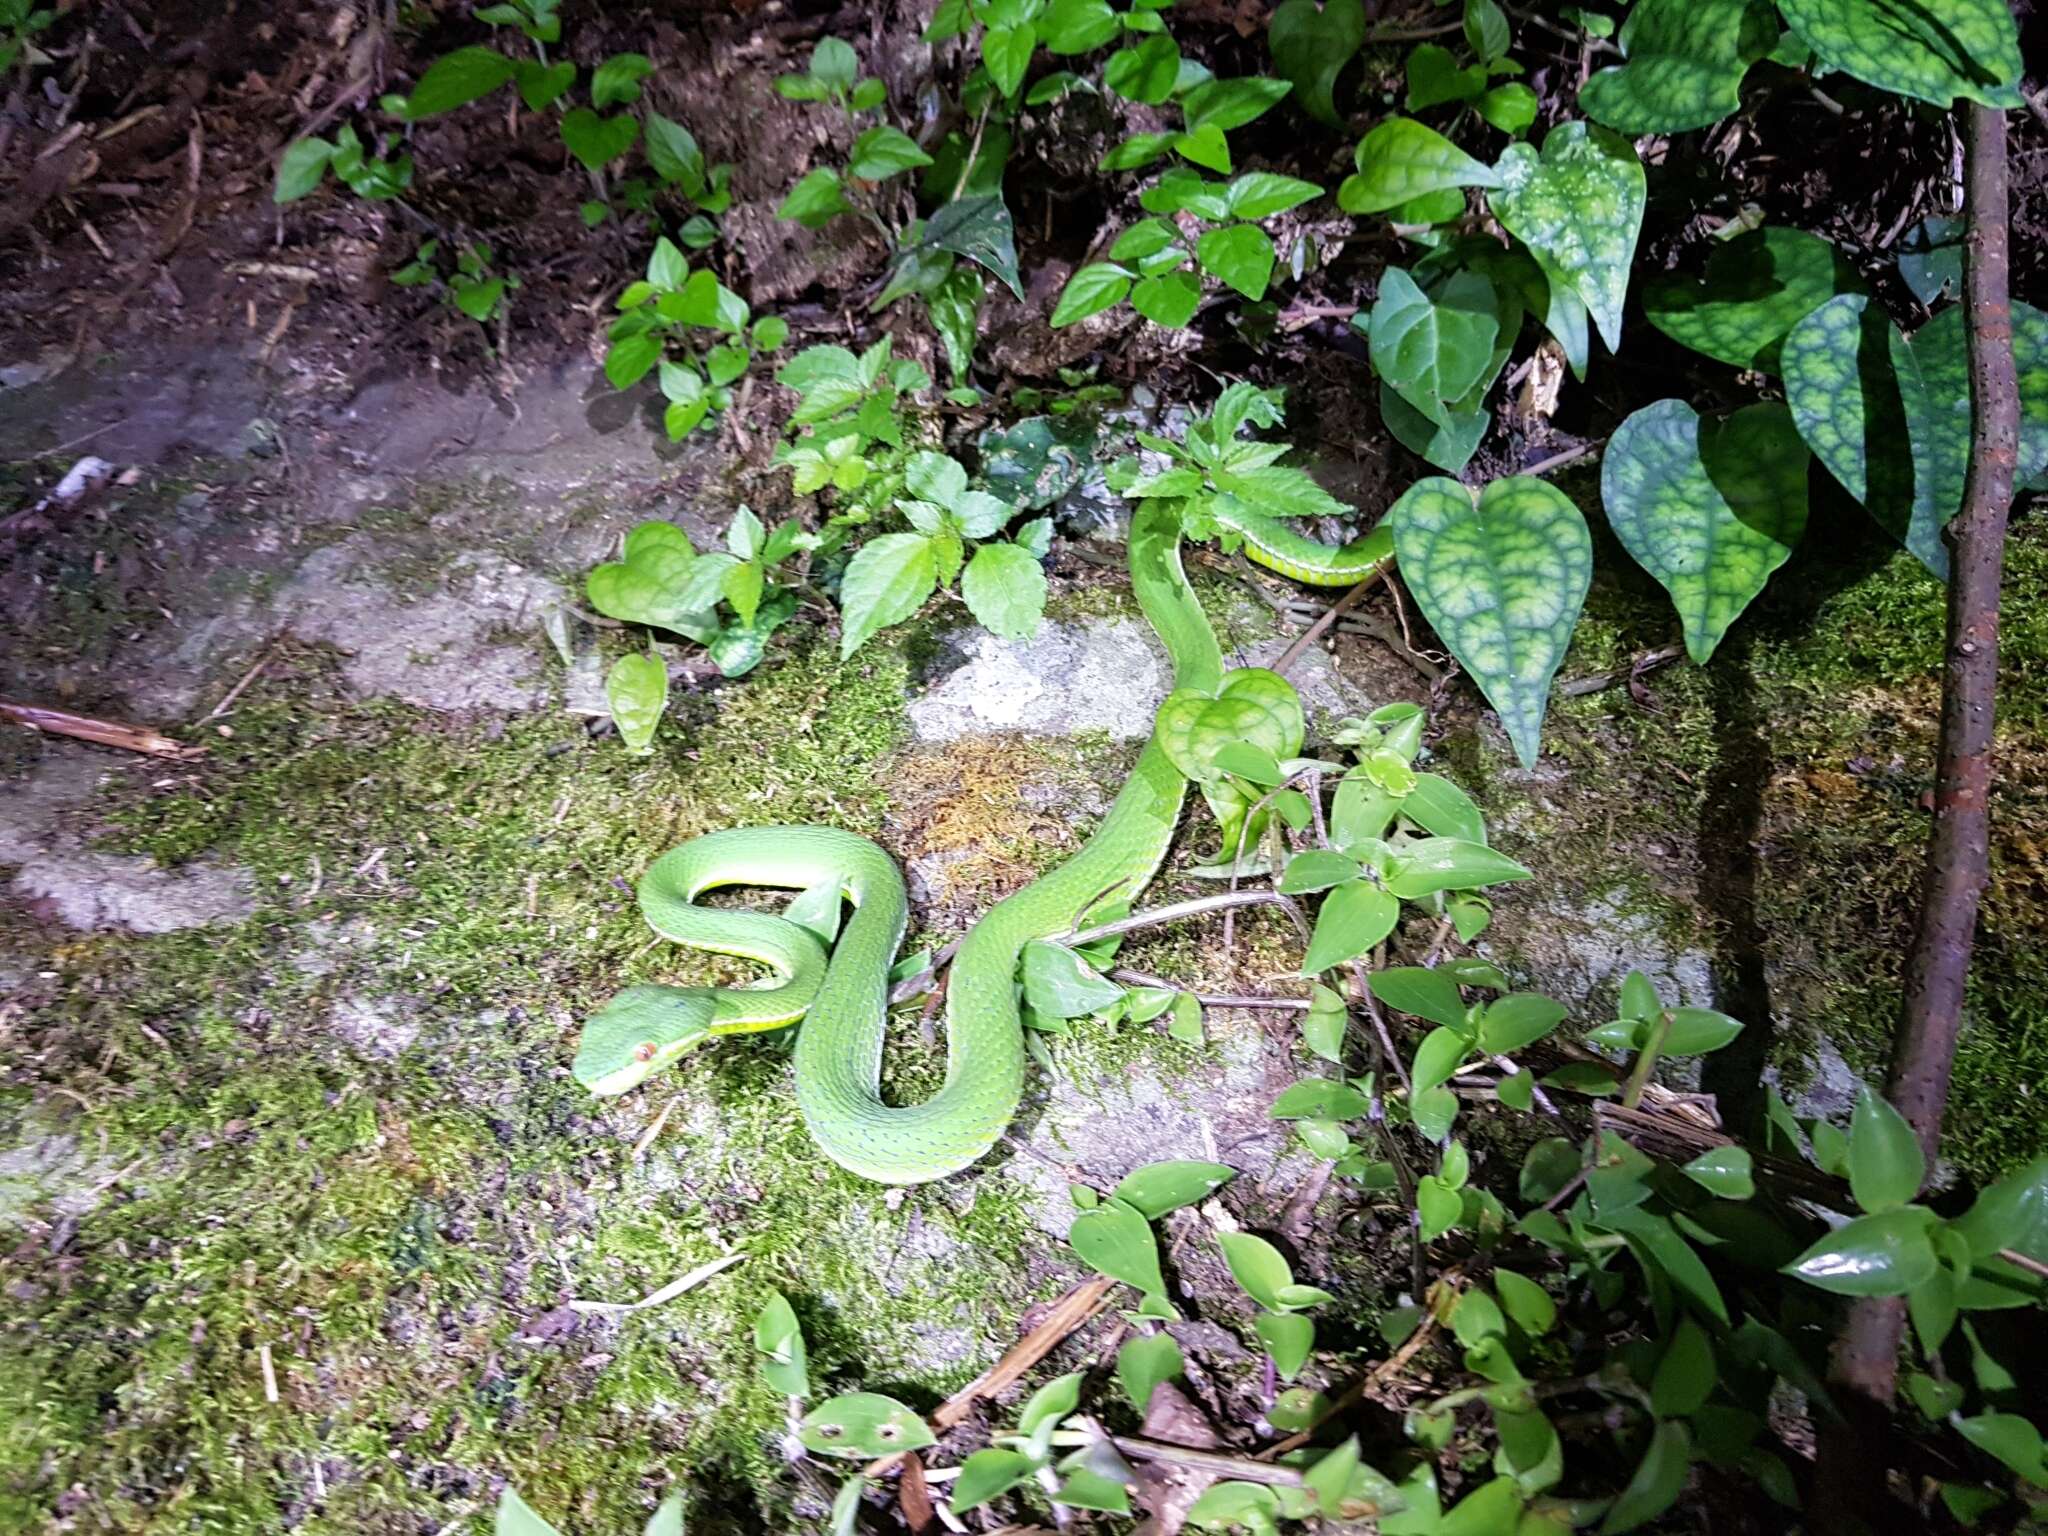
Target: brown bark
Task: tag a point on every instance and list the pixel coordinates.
(1850, 1477)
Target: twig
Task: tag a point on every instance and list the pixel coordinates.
(1245, 1469)
(263, 659)
(1330, 615)
(1558, 461)
(1386, 1369)
(1209, 999)
(2015, 1257)
(669, 1292)
(1648, 661)
(105, 733)
(1195, 907)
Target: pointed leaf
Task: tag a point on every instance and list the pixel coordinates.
(886, 581)
(1578, 205)
(1967, 48)
(1115, 1239)
(1686, 60)
(1143, 1364)
(863, 1424)
(1755, 289)
(1887, 1254)
(1427, 994)
(1401, 160)
(1658, 1480)
(1353, 918)
(1886, 1165)
(1311, 44)
(1157, 1188)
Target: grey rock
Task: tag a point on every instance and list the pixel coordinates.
(1104, 676)
(377, 1028)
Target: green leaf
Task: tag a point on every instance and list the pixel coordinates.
(300, 170)
(1724, 1171)
(1170, 299)
(1442, 1052)
(1489, 1510)
(1432, 351)
(1078, 26)
(988, 1474)
(1239, 254)
(1511, 108)
(1486, 29)
(1437, 805)
(1007, 53)
(1427, 994)
(2010, 1438)
(616, 82)
(515, 1517)
(1092, 289)
(1435, 77)
(1353, 918)
(1317, 869)
(1526, 1302)
(1501, 578)
(1658, 1480)
(1517, 1020)
(1696, 1031)
(1930, 259)
(1288, 1337)
(781, 1341)
(1579, 206)
(646, 584)
(1438, 1205)
(2013, 1213)
(1320, 1098)
(1145, 73)
(1248, 1507)
(673, 153)
(1261, 194)
(597, 141)
(1311, 44)
(844, 1519)
(1401, 160)
(834, 63)
(1548, 1167)
(456, 79)
(1257, 1266)
(1157, 1188)
(1322, 1028)
(636, 691)
(1686, 60)
(1887, 1254)
(863, 1424)
(1686, 1374)
(1059, 984)
(1886, 1165)
(1143, 1364)
(1967, 48)
(815, 200)
(882, 152)
(1116, 1240)
(1186, 1024)
(886, 581)
(1050, 1404)
(1004, 587)
(1756, 288)
(1434, 864)
(1226, 104)
(1710, 508)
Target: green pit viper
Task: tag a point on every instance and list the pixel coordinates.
(843, 1000)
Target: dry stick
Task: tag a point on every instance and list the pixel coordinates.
(1849, 1475)
(1330, 615)
(1194, 907)
(105, 733)
(1357, 1390)
(1124, 973)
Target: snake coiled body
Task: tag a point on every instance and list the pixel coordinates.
(843, 1002)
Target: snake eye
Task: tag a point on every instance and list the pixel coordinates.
(644, 1051)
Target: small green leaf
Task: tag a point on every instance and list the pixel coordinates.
(1145, 73)
(1143, 1364)
(1311, 43)
(1007, 53)
(1170, 299)
(1526, 1302)
(1435, 77)
(456, 79)
(1517, 1020)
(1501, 578)
(986, 1475)
(616, 82)
(887, 581)
(1755, 289)
(1239, 254)
(1511, 108)
(1696, 1031)
(1401, 160)
(1317, 869)
(1433, 351)
(1427, 994)
(597, 141)
(1059, 984)
(1257, 1266)
(300, 170)
(1709, 508)
(1658, 1480)
(1887, 1254)
(1248, 1507)
(1886, 1165)
(1579, 206)
(1322, 1029)
(882, 151)
(781, 1343)
(815, 200)
(1157, 1188)
(515, 1517)
(1725, 1171)
(1231, 103)
(1686, 1374)
(1115, 1239)
(1442, 1052)
(1092, 289)
(1353, 918)
(1439, 1206)
(1433, 864)
(863, 1424)
(1004, 587)
(1320, 1098)
(1288, 1338)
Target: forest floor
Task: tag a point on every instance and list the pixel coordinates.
(297, 1196)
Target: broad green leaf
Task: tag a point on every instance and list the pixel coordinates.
(1317, 869)
(781, 1342)
(1051, 1403)
(882, 151)
(815, 200)
(1231, 103)
(1239, 254)
(646, 584)
(1887, 1254)
(1517, 1020)
(1696, 1031)
(1004, 587)
(1968, 48)
(300, 170)
(1261, 194)
(986, 1475)
(1115, 1239)
(2010, 1438)
(1435, 864)
(1435, 77)
(1322, 1028)
(1157, 1188)
(981, 229)
(1501, 578)
(1146, 72)
(863, 1424)
(1755, 289)
(886, 581)
(1532, 1308)
(1288, 1337)
(672, 151)
(2013, 1213)
(1532, 1454)
(1686, 60)
(1007, 53)
(1709, 508)
(1353, 918)
(1579, 206)
(1320, 1098)
(1725, 1171)
(1401, 160)
(1658, 1480)
(1170, 299)
(636, 691)
(1442, 1052)
(1433, 350)
(1092, 289)
(595, 140)
(1886, 1165)
(1448, 448)
(1143, 1364)
(1246, 1507)
(1257, 1266)
(1437, 805)
(515, 1517)
(456, 79)
(834, 63)
(1085, 1488)
(1427, 994)
(1059, 984)
(616, 82)
(1311, 44)
(1685, 1375)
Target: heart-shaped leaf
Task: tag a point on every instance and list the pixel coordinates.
(1401, 160)
(1709, 508)
(1686, 60)
(1252, 705)
(1968, 48)
(1117, 1240)
(1059, 984)
(1433, 350)
(1579, 206)
(1311, 44)
(1756, 288)
(597, 141)
(986, 1474)
(1501, 578)
(863, 1424)
(636, 690)
(646, 585)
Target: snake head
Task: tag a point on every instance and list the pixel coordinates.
(638, 1033)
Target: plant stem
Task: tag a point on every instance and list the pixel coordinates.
(1854, 1451)
(1174, 911)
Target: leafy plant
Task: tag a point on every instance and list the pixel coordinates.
(660, 316)
(470, 287)
(20, 21)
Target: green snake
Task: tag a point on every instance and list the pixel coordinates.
(843, 1001)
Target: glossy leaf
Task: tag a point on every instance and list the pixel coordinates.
(1427, 994)
(1353, 918)
(1579, 206)
(1725, 1171)
(457, 78)
(1311, 43)
(1092, 289)
(1115, 1239)
(1696, 1031)
(1756, 287)
(1437, 805)
(1886, 1165)
(1004, 587)
(1241, 255)
(1967, 48)
(1316, 869)
(2013, 1213)
(1059, 984)
(886, 581)
(1531, 1307)
(1157, 1188)
(988, 1474)
(1709, 508)
(1434, 864)
(1257, 1266)
(1517, 1020)
(781, 1344)
(1323, 1027)
(1686, 60)
(1658, 1480)
(1288, 1338)
(1432, 350)
(1320, 1098)
(1401, 160)
(863, 1424)
(1887, 1254)
(981, 229)
(1501, 578)
(2010, 1438)
(1143, 1364)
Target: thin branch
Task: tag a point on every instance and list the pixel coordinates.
(1175, 911)
(1330, 615)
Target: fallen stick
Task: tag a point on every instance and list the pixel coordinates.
(106, 733)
